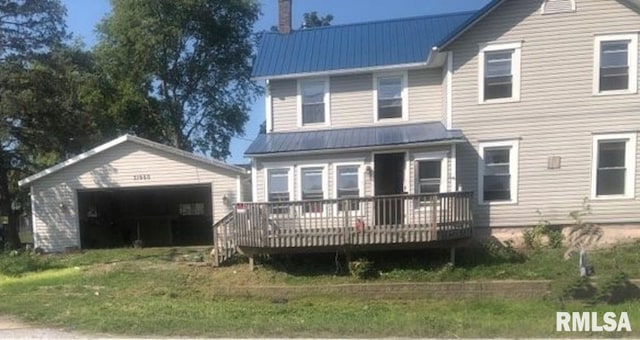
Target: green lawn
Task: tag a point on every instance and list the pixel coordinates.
(151, 292)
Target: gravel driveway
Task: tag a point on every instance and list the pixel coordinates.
(10, 328)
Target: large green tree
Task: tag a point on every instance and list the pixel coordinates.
(27, 27)
(184, 66)
(311, 19)
(51, 109)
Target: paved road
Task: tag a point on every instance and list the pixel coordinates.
(10, 328)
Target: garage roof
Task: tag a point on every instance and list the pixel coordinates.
(134, 139)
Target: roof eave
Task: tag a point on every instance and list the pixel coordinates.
(383, 68)
(121, 140)
(356, 149)
(448, 40)
(633, 3)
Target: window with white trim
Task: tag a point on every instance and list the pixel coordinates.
(278, 189)
(390, 97)
(498, 172)
(429, 176)
(499, 73)
(312, 188)
(616, 64)
(614, 165)
(314, 101)
(348, 186)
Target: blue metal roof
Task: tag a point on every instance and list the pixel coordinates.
(354, 46)
(351, 138)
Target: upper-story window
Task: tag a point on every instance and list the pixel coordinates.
(616, 64)
(313, 102)
(390, 98)
(499, 76)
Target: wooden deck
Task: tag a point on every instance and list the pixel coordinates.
(381, 221)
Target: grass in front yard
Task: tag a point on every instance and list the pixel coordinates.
(146, 297)
(482, 263)
(152, 292)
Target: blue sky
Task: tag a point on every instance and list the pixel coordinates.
(83, 15)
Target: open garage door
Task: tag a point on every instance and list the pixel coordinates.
(157, 216)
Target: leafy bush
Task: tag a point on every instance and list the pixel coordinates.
(617, 289)
(363, 269)
(16, 263)
(611, 290)
(580, 288)
(542, 235)
(582, 233)
(493, 251)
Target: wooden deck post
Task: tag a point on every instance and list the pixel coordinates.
(216, 256)
(434, 218)
(345, 222)
(453, 256)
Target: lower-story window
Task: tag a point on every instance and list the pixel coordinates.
(498, 172)
(614, 165)
(347, 186)
(429, 176)
(278, 189)
(312, 187)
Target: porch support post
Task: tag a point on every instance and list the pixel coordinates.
(348, 259)
(453, 256)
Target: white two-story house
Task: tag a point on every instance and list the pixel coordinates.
(425, 124)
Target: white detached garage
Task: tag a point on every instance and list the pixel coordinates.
(131, 189)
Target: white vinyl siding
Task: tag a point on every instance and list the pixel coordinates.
(557, 115)
(616, 64)
(499, 73)
(614, 166)
(352, 100)
(121, 166)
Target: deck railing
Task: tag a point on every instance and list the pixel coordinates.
(354, 221)
(224, 244)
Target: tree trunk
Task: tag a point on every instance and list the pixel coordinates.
(12, 239)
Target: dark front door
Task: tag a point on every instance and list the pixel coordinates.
(389, 181)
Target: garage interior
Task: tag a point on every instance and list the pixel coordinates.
(158, 217)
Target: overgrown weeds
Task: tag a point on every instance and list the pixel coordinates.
(19, 262)
(543, 235)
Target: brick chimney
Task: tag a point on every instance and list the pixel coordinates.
(284, 16)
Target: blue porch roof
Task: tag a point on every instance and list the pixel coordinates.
(352, 138)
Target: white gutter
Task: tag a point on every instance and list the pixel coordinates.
(346, 71)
